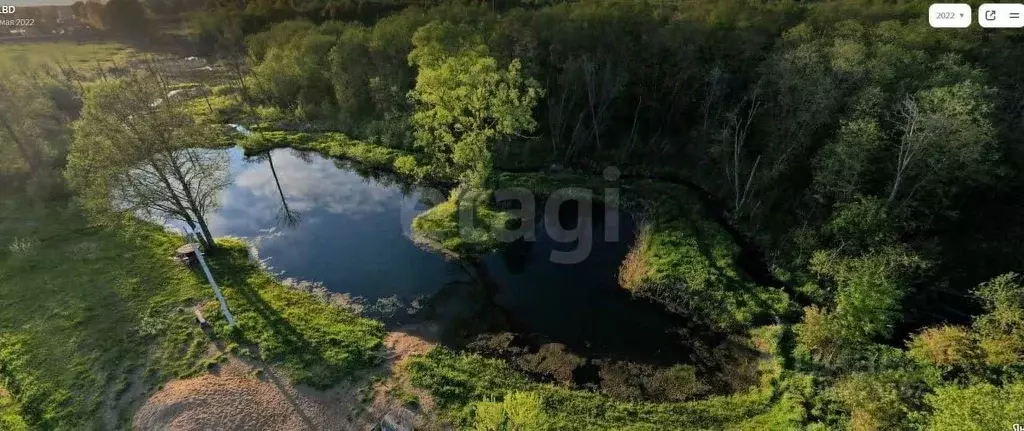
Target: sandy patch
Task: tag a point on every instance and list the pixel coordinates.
(401, 344)
(243, 395)
(408, 341)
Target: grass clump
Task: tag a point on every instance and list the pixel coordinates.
(518, 411)
(316, 343)
(10, 414)
(215, 108)
(464, 225)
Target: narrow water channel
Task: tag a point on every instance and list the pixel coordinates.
(320, 220)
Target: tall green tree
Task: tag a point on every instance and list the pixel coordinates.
(292, 69)
(465, 101)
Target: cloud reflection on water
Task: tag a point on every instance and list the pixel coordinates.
(311, 188)
(350, 233)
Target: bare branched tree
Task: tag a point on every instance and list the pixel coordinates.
(741, 180)
(137, 150)
(913, 138)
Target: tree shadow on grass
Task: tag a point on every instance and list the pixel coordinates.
(232, 271)
(282, 388)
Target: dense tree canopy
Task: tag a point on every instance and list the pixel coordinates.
(848, 140)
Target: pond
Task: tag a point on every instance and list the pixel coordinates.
(323, 220)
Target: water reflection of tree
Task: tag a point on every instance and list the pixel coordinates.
(285, 216)
(377, 176)
(305, 156)
(465, 305)
(516, 255)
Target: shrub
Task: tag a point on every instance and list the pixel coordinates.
(518, 411)
(1001, 328)
(886, 400)
(407, 165)
(635, 268)
(678, 383)
(945, 345)
(815, 338)
(978, 407)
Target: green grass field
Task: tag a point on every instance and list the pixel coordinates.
(84, 57)
(93, 319)
(83, 309)
(10, 416)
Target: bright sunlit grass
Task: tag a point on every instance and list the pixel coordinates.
(87, 313)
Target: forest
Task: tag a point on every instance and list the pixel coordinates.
(833, 185)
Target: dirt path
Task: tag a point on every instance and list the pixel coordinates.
(246, 395)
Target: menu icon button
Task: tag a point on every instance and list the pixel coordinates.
(1001, 15)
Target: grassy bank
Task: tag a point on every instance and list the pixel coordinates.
(681, 257)
(315, 342)
(93, 319)
(221, 106)
(85, 310)
(439, 227)
(332, 144)
(688, 262)
(475, 392)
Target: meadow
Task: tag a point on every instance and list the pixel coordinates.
(81, 56)
(94, 319)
